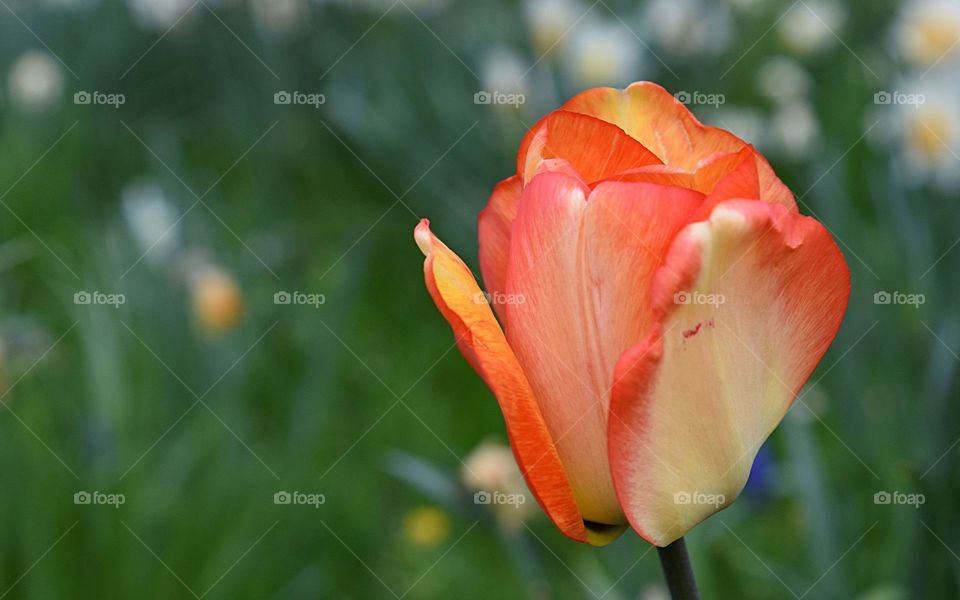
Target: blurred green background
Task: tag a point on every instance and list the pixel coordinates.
(160, 201)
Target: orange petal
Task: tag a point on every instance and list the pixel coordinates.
(660, 122)
(596, 149)
(583, 268)
(494, 225)
(482, 343)
(727, 177)
(748, 302)
(713, 171)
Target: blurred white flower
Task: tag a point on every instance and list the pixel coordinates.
(158, 14)
(422, 7)
(429, 5)
(549, 22)
(783, 79)
(503, 71)
(927, 32)
(602, 53)
(489, 466)
(279, 16)
(745, 5)
(688, 27)
(796, 130)
(930, 131)
(745, 123)
(491, 469)
(69, 4)
(654, 591)
(35, 81)
(151, 219)
(812, 25)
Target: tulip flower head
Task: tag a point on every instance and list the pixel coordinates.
(653, 303)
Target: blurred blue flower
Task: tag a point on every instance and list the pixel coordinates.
(761, 482)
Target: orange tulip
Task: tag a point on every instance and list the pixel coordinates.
(661, 302)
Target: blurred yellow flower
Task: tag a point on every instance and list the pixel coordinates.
(426, 526)
(926, 132)
(928, 31)
(924, 115)
(217, 300)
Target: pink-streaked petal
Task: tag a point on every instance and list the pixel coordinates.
(494, 225)
(583, 267)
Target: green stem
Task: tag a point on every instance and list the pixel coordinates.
(677, 571)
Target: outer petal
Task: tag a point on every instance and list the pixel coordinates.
(595, 148)
(694, 401)
(494, 226)
(583, 270)
(660, 122)
(482, 343)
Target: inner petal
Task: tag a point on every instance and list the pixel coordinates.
(595, 148)
(582, 269)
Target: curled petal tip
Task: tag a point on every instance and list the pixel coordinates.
(422, 236)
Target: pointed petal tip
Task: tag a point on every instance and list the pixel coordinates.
(422, 235)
